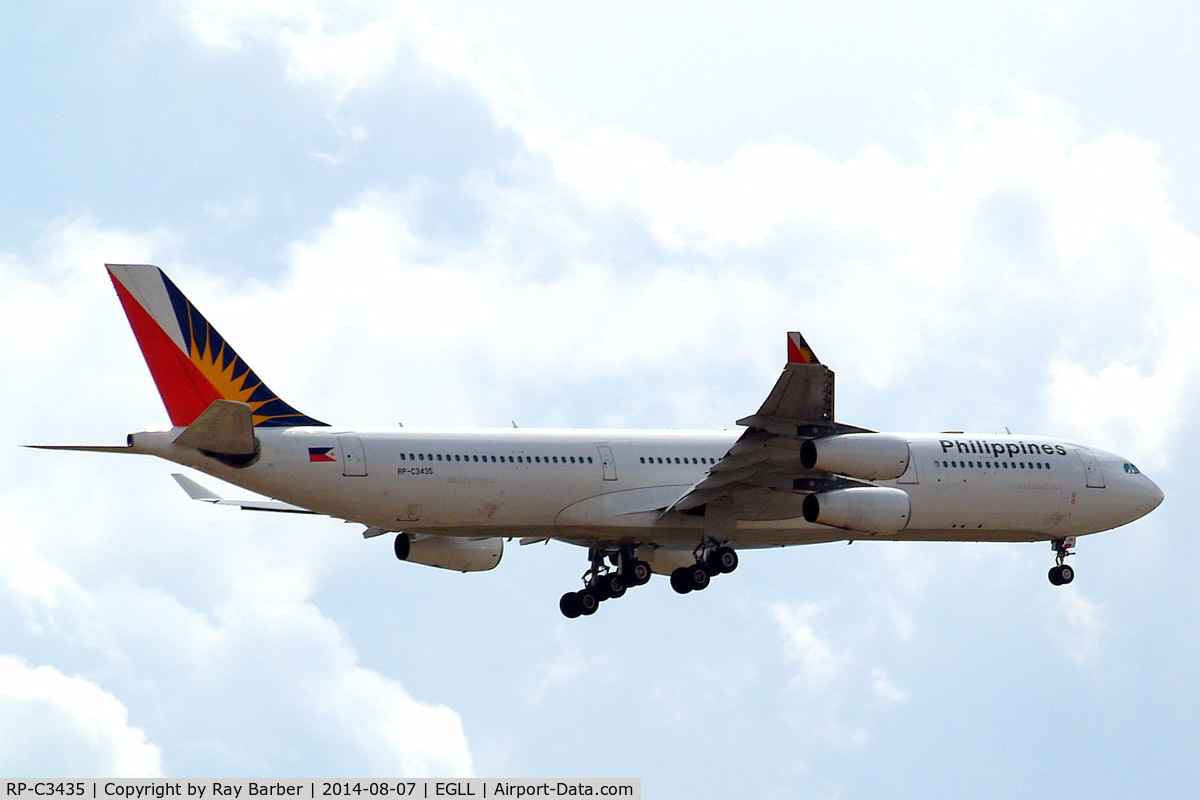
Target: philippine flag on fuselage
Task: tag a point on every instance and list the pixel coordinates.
(317, 455)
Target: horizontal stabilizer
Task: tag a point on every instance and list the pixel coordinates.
(225, 428)
(205, 495)
(83, 448)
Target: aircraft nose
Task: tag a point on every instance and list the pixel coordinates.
(1152, 495)
(1144, 496)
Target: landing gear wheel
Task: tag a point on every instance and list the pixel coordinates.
(600, 589)
(569, 605)
(613, 586)
(639, 573)
(725, 559)
(681, 580)
(589, 601)
(697, 576)
(1062, 574)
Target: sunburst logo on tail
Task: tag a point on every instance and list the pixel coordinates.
(190, 361)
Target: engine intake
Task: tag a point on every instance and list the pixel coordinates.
(868, 456)
(870, 509)
(450, 552)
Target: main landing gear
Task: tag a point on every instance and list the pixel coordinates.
(710, 562)
(601, 582)
(1062, 573)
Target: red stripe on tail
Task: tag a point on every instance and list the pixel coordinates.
(184, 390)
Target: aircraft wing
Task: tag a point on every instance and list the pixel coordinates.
(763, 466)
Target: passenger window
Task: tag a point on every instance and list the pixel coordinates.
(589, 459)
(421, 457)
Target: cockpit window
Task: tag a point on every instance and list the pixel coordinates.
(1131, 469)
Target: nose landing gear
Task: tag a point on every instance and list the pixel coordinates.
(1062, 573)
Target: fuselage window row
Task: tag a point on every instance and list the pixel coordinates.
(991, 465)
(497, 459)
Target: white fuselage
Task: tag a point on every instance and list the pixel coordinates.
(610, 487)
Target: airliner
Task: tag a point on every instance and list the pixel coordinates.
(642, 502)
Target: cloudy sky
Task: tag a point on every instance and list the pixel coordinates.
(602, 214)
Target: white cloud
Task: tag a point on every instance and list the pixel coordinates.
(816, 662)
(340, 47)
(52, 724)
(838, 697)
(1079, 627)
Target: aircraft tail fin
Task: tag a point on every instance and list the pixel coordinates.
(192, 365)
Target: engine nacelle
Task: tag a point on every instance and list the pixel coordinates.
(870, 509)
(867, 456)
(450, 552)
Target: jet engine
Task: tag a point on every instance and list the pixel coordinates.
(871, 509)
(450, 552)
(867, 456)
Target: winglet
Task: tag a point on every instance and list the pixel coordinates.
(798, 350)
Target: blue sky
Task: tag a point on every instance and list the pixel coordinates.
(601, 215)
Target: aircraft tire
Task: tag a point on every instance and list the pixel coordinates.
(1066, 574)
(1055, 576)
(697, 577)
(680, 581)
(639, 573)
(614, 587)
(725, 559)
(569, 605)
(589, 601)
